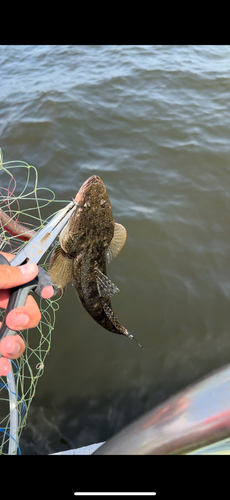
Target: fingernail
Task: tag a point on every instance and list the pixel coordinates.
(47, 292)
(14, 349)
(27, 268)
(20, 319)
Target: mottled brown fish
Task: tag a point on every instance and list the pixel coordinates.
(90, 236)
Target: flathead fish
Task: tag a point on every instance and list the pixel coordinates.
(90, 236)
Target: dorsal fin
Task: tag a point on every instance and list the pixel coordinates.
(117, 243)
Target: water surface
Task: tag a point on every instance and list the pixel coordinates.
(154, 123)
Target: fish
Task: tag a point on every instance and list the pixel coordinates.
(90, 237)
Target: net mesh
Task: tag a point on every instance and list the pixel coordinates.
(25, 201)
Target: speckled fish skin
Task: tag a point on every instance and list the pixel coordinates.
(89, 232)
(82, 252)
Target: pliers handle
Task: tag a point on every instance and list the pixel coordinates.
(33, 252)
(18, 294)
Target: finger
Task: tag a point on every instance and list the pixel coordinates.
(14, 276)
(47, 292)
(4, 297)
(27, 316)
(5, 294)
(12, 347)
(4, 366)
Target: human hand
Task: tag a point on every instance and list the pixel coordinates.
(27, 316)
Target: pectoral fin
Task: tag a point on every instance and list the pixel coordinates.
(61, 267)
(105, 287)
(117, 243)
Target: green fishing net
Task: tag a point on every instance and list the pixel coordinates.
(22, 199)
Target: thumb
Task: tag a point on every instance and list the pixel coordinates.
(18, 275)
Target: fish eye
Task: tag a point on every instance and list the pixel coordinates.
(102, 203)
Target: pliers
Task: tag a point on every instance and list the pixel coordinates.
(33, 251)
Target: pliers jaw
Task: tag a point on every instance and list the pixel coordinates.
(34, 250)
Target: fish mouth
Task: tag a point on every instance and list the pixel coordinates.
(94, 179)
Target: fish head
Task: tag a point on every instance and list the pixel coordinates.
(92, 222)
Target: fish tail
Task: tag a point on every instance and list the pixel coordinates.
(128, 334)
(114, 320)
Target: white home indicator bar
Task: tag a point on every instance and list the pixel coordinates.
(115, 494)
